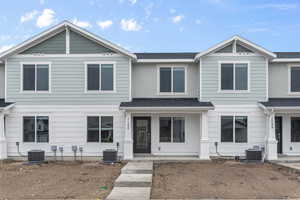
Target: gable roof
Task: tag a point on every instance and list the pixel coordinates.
(57, 29)
(241, 40)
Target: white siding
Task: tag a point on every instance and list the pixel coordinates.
(2, 81)
(288, 147)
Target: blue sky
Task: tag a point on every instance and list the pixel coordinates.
(159, 25)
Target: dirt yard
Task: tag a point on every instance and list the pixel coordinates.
(223, 179)
(67, 180)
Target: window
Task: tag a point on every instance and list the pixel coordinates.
(94, 132)
(295, 129)
(35, 77)
(294, 79)
(172, 79)
(36, 129)
(100, 77)
(172, 129)
(234, 76)
(234, 129)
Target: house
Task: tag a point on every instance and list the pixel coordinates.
(67, 86)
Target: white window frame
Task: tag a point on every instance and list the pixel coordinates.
(113, 63)
(35, 131)
(35, 89)
(290, 92)
(172, 142)
(172, 67)
(99, 136)
(234, 66)
(234, 116)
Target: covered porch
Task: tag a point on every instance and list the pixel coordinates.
(165, 127)
(283, 128)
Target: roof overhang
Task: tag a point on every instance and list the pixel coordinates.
(165, 60)
(285, 60)
(6, 108)
(280, 109)
(167, 109)
(242, 41)
(58, 28)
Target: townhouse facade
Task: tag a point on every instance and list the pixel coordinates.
(68, 87)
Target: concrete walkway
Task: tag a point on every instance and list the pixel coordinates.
(134, 183)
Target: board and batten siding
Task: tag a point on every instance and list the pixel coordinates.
(145, 80)
(53, 45)
(68, 82)
(2, 81)
(210, 80)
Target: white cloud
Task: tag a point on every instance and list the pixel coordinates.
(130, 25)
(280, 6)
(172, 11)
(5, 47)
(177, 18)
(46, 18)
(28, 16)
(82, 24)
(104, 24)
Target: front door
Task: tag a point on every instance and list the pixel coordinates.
(142, 135)
(278, 132)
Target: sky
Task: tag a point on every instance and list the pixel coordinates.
(159, 25)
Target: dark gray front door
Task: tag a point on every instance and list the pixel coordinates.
(278, 132)
(142, 135)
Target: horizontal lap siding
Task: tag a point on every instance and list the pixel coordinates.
(68, 82)
(67, 127)
(2, 81)
(210, 84)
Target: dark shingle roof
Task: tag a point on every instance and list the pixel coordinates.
(282, 102)
(287, 54)
(186, 55)
(166, 102)
(3, 104)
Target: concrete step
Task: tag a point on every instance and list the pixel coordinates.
(134, 180)
(130, 193)
(138, 168)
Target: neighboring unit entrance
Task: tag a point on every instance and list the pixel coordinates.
(142, 135)
(278, 132)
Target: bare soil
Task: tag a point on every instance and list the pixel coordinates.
(223, 179)
(60, 180)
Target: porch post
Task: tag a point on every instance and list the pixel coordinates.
(128, 141)
(204, 141)
(271, 142)
(3, 142)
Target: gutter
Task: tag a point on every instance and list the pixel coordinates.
(167, 108)
(283, 60)
(165, 61)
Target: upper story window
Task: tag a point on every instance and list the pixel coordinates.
(100, 77)
(35, 77)
(172, 79)
(294, 79)
(234, 77)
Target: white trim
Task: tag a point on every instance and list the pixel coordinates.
(113, 63)
(58, 27)
(162, 109)
(172, 128)
(67, 40)
(172, 66)
(289, 79)
(5, 79)
(232, 54)
(267, 79)
(200, 77)
(234, 115)
(234, 66)
(35, 89)
(165, 61)
(99, 134)
(286, 60)
(99, 55)
(130, 81)
(236, 37)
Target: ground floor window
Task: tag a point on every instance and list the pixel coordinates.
(295, 129)
(36, 129)
(172, 129)
(100, 128)
(234, 129)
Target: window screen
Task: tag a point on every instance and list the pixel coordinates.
(107, 77)
(165, 79)
(107, 129)
(165, 129)
(295, 80)
(178, 79)
(93, 77)
(227, 76)
(93, 129)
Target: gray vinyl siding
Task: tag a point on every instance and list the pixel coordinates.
(279, 80)
(53, 45)
(82, 45)
(68, 82)
(145, 80)
(2, 81)
(210, 78)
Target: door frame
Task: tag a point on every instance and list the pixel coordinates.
(280, 143)
(148, 118)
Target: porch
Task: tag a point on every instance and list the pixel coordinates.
(164, 128)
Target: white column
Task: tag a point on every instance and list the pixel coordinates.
(204, 141)
(3, 142)
(271, 142)
(128, 141)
